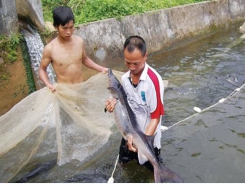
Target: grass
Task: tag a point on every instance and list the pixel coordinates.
(8, 53)
(94, 10)
(8, 46)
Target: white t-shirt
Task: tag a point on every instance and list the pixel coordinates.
(146, 100)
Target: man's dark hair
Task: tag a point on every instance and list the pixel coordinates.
(62, 15)
(133, 42)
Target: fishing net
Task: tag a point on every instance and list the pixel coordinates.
(70, 123)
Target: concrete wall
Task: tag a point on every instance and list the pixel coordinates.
(8, 17)
(31, 10)
(10, 10)
(161, 29)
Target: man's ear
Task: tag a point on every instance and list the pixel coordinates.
(146, 55)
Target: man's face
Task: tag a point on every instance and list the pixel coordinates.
(67, 30)
(135, 61)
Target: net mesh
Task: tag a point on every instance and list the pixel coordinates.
(70, 122)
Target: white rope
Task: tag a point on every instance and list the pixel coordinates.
(164, 128)
(111, 179)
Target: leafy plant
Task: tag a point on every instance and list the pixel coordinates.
(93, 10)
(9, 46)
(4, 77)
(27, 64)
(14, 40)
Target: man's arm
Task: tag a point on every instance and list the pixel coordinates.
(150, 130)
(155, 103)
(90, 64)
(46, 60)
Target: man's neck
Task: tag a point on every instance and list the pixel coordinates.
(63, 40)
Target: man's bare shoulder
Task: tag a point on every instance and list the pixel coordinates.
(50, 44)
(78, 38)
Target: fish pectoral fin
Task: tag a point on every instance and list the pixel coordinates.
(112, 89)
(142, 158)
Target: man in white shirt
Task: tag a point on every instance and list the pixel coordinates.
(144, 89)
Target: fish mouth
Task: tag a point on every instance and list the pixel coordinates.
(110, 72)
(113, 81)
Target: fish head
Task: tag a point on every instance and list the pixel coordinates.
(114, 85)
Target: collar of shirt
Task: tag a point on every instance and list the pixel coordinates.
(143, 75)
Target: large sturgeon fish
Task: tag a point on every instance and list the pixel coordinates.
(127, 125)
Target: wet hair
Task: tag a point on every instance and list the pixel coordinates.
(62, 15)
(133, 42)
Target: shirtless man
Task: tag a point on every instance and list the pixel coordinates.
(66, 52)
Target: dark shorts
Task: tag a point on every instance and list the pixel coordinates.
(126, 155)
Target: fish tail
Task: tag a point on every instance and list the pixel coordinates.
(163, 174)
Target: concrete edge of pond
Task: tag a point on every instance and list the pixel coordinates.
(162, 29)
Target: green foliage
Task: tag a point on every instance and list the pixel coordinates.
(9, 46)
(4, 77)
(49, 5)
(11, 56)
(46, 35)
(14, 40)
(93, 10)
(27, 64)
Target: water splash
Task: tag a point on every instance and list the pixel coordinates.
(35, 49)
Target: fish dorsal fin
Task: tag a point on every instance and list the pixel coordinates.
(142, 158)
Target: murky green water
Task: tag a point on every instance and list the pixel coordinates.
(206, 148)
(201, 73)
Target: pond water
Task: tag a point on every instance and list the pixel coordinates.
(200, 73)
(208, 147)
(205, 148)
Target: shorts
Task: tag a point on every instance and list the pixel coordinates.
(126, 155)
